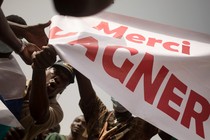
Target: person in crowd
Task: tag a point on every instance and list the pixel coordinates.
(102, 124)
(40, 109)
(77, 131)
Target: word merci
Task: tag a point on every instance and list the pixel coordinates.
(144, 71)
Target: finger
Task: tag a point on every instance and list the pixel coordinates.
(44, 25)
(39, 60)
(31, 47)
(34, 54)
(35, 60)
(44, 59)
(50, 52)
(49, 57)
(51, 49)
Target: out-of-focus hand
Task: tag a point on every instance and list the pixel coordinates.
(28, 50)
(44, 58)
(81, 8)
(36, 34)
(15, 134)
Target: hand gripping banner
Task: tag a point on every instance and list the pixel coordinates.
(159, 73)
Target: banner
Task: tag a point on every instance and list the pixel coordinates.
(159, 73)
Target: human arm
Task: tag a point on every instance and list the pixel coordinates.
(38, 99)
(34, 34)
(86, 90)
(91, 106)
(7, 35)
(24, 49)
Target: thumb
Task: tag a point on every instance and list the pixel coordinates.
(32, 47)
(44, 25)
(52, 49)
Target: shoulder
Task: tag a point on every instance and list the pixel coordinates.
(56, 112)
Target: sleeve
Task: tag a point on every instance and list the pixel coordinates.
(56, 115)
(95, 113)
(92, 109)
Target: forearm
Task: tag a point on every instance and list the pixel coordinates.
(7, 35)
(85, 87)
(18, 29)
(38, 101)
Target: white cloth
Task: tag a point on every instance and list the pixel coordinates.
(158, 73)
(12, 79)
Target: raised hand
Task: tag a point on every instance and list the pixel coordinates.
(36, 34)
(44, 58)
(27, 51)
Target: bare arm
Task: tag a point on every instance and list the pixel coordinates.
(7, 35)
(34, 34)
(38, 101)
(22, 48)
(91, 106)
(85, 87)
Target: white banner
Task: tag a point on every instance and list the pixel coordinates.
(159, 73)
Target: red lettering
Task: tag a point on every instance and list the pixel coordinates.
(135, 38)
(91, 44)
(114, 71)
(199, 117)
(186, 47)
(118, 32)
(152, 41)
(145, 68)
(55, 30)
(168, 46)
(169, 95)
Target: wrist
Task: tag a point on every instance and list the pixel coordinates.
(23, 45)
